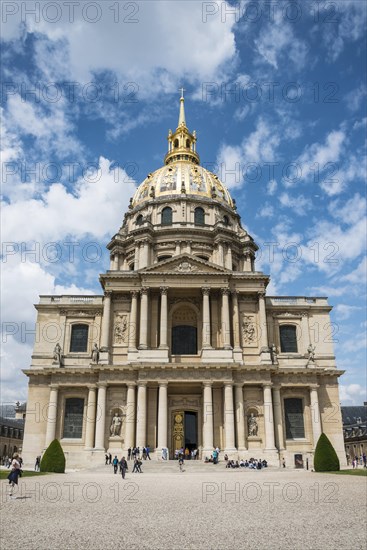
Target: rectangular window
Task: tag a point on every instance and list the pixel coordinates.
(288, 338)
(79, 338)
(294, 424)
(73, 420)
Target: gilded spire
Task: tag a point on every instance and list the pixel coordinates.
(181, 118)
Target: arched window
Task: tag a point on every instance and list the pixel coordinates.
(167, 216)
(294, 423)
(131, 266)
(204, 258)
(188, 144)
(199, 216)
(288, 338)
(73, 419)
(225, 220)
(139, 220)
(175, 143)
(79, 338)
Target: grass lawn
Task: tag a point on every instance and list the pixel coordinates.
(4, 474)
(358, 472)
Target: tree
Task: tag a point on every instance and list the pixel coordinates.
(325, 459)
(53, 459)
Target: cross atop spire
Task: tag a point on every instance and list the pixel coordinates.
(181, 118)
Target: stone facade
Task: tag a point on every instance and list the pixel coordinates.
(183, 339)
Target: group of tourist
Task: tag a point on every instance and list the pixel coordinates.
(358, 461)
(252, 464)
(186, 454)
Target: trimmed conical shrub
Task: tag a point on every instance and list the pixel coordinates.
(53, 459)
(325, 459)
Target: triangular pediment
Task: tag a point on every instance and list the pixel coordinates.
(185, 263)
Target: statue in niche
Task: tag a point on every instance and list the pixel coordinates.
(311, 354)
(248, 330)
(57, 355)
(116, 424)
(95, 354)
(252, 425)
(274, 353)
(120, 329)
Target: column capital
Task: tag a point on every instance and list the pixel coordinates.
(267, 385)
(102, 384)
(92, 386)
(107, 293)
(164, 289)
(235, 293)
(207, 383)
(144, 290)
(141, 383)
(314, 386)
(277, 387)
(54, 386)
(205, 290)
(134, 293)
(163, 383)
(225, 291)
(239, 385)
(228, 384)
(131, 384)
(261, 294)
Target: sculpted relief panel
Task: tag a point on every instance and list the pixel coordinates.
(120, 329)
(249, 330)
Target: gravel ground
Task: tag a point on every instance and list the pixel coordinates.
(205, 507)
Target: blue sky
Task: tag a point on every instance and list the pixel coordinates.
(277, 96)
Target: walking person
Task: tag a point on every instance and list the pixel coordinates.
(148, 452)
(37, 464)
(181, 463)
(110, 459)
(115, 464)
(129, 453)
(106, 459)
(123, 467)
(15, 472)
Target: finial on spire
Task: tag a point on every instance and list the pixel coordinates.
(181, 118)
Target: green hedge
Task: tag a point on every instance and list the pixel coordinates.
(53, 459)
(326, 459)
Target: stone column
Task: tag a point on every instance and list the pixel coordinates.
(268, 418)
(220, 257)
(136, 257)
(130, 417)
(116, 262)
(226, 325)
(51, 414)
(188, 247)
(101, 416)
(177, 248)
(141, 415)
(247, 266)
(315, 415)
(229, 258)
(125, 265)
(262, 322)
(133, 324)
(144, 254)
(278, 419)
(164, 311)
(90, 418)
(236, 322)
(162, 416)
(240, 418)
(143, 341)
(207, 418)
(206, 319)
(106, 320)
(229, 417)
(305, 334)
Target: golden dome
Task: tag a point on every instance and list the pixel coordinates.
(182, 174)
(181, 178)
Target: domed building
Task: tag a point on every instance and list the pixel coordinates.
(183, 349)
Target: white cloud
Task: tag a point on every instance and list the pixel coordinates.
(267, 211)
(358, 275)
(271, 187)
(300, 205)
(350, 212)
(356, 98)
(95, 208)
(276, 42)
(352, 394)
(344, 311)
(140, 44)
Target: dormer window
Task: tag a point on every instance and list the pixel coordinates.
(226, 220)
(139, 220)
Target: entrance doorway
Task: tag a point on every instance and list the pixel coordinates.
(185, 431)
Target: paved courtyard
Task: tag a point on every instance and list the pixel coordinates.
(204, 507)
